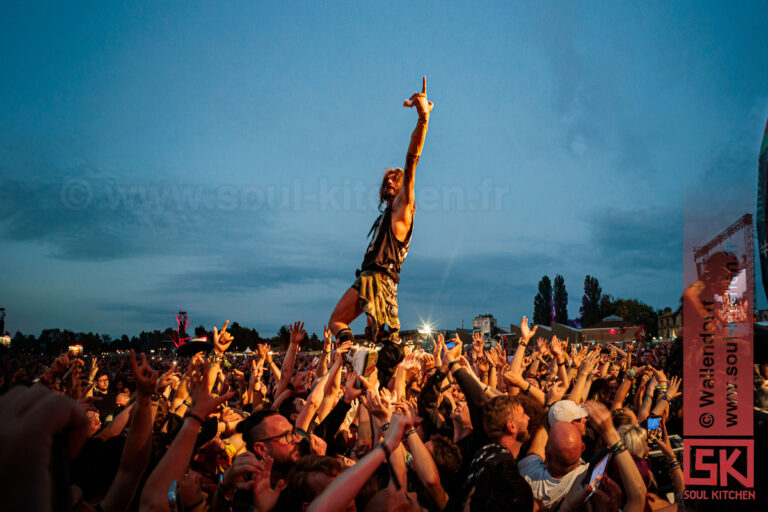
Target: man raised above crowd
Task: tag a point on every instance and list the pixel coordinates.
(374, 292)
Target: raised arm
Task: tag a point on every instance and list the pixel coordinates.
(525, 338)
(424, 107)
(297, 335)
(176, 459)
(137, 446)
(346, 486)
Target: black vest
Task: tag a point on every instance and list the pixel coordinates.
(386, 253)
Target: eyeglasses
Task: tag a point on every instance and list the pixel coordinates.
(285, 437)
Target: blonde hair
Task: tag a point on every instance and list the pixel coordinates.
(635, 439)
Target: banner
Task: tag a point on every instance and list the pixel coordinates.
(718, 301)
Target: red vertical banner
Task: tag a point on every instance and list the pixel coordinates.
(718, 332)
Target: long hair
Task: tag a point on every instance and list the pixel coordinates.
(399, 173)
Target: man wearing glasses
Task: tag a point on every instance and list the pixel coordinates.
(267, 433)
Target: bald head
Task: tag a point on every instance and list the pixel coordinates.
(564, 447)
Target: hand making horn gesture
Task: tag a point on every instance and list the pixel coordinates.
(419, 100)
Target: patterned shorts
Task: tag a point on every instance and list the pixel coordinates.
(378, 300)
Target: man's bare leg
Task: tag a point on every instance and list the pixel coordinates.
(344, 314)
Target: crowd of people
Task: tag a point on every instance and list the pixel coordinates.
(455, 428)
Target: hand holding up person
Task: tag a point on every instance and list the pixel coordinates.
(350, 391)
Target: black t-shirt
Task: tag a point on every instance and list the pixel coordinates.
(106, 405)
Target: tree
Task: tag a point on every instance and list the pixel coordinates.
(542, 303)
(634, 311)
(590, 302)
(560, 299)
(283, 337)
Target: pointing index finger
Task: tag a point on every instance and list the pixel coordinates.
(424, 85)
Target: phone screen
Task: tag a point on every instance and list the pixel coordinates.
(450, 345)
(654, 428)
(597, 474)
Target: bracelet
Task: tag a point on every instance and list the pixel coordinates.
(187, 402)
(196, 417)
(617, 447)
(387, 453)
(412, 431)
(384, 427)
(452, 363)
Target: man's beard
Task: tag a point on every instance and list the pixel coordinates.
(522, 436)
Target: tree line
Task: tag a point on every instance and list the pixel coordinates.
(55, 341)
(551, 304)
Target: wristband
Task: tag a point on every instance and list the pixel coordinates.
(632, 374)
(187, 403)
(387, 453)
(452, 363)
(412, 431)
(617, 447)
(523, 344)
(384, 427)
(196, 417)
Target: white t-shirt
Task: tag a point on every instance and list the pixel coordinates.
(546, 488)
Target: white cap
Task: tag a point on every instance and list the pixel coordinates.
(565, 410)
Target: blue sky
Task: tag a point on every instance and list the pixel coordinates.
(224, 158)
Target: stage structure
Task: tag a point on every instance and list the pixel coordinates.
(739, 231)
(180, 336)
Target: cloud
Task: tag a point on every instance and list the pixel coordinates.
(642, 242)
(89, 215)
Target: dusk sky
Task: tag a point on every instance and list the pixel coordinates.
(225, 157)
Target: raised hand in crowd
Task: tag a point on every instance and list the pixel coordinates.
(265, 495)
(144, 376)
(222, 339)
(526, 332)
